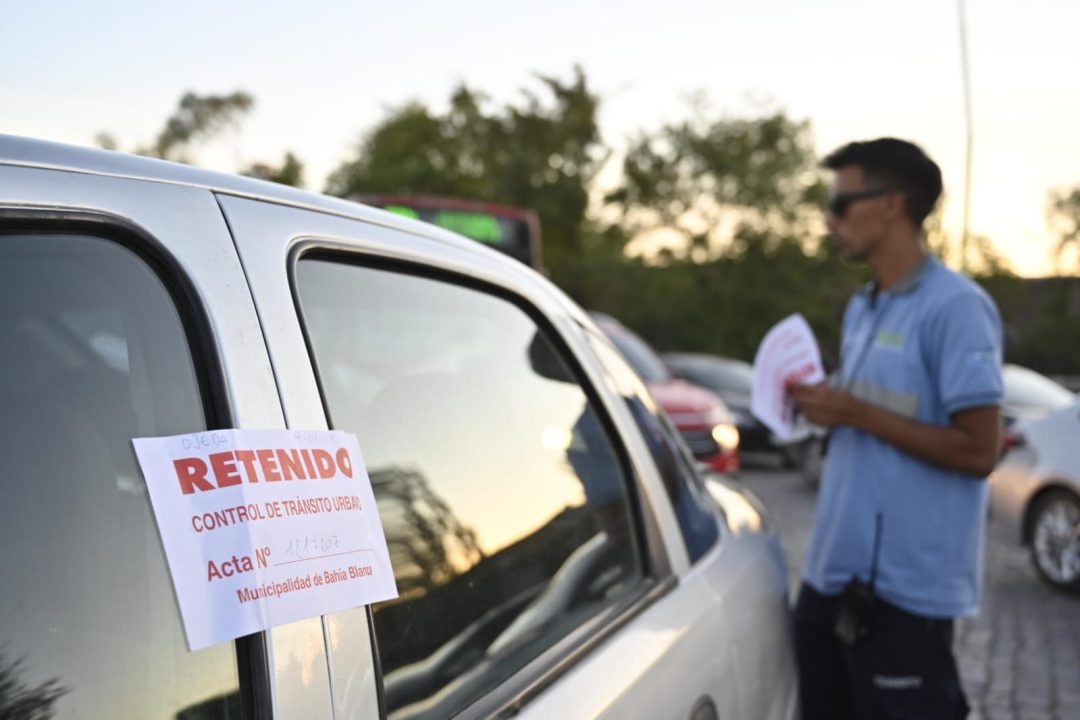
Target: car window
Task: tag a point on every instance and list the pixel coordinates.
(92, 354)
(694, 507)
(505, 506)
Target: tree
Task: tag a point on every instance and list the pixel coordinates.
(740, 200)
(196, 118)
(1064, 217)
(703, 179)
(20, 701)
(290, 172)
(541, 153)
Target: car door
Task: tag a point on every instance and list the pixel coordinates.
(529, 534)
(727, 649)
(125, 314)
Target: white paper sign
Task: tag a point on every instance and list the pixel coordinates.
(265, 527)
(789, 354)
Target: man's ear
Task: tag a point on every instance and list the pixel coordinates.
(896, 205)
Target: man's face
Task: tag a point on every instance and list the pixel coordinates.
(860, 212)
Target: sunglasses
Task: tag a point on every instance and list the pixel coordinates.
(839, 204)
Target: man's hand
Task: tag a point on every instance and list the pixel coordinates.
(824, 405)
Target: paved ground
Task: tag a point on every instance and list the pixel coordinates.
(1020, 657)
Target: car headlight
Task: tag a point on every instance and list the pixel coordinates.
(726, 436)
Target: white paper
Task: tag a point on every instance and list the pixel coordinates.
(788, 354)
(265, 527)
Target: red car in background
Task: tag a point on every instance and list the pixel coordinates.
(706, 424)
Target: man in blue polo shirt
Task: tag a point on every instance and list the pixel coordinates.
(915, 424)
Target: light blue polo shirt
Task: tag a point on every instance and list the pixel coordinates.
(927, 349)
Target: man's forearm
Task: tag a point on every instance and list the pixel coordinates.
(947, 446)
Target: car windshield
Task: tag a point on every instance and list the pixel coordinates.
(1027, 388)
(717, 374)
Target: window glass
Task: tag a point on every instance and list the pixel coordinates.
(503, 501)
(695, 509)
(92, 354)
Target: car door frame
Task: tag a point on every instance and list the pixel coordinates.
(180, 233)
(271, 239)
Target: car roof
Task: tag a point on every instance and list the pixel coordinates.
(44, 154)
(31, 152)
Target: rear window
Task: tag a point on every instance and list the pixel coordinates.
(94, 353)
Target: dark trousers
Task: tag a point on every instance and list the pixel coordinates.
(904, 667)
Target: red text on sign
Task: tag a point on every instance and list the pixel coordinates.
(226, 469)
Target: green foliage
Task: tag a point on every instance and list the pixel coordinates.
(1064, 217)
(197, 117)
(290, 172)
(541, 153)
(709, 178)
(1040, 318)
(744, 195)
(725, 305)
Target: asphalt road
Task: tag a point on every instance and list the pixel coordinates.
(1020, 657)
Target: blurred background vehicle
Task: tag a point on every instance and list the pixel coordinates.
(733, 381)
(1035, 492)
(1029, 394)
(705, 422)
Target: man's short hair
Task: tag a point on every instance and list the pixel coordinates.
(896, 163)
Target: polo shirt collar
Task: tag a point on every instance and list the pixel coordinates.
(908, 283)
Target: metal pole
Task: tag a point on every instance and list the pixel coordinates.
(970, 134)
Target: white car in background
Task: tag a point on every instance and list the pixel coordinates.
(556, 553)
(1035, 491)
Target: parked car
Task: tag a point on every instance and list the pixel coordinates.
(1029, 394)
(556, 552)
(706, 423)
(733, 381)
(1035, 491)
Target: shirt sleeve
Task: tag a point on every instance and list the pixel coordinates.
(966, 352)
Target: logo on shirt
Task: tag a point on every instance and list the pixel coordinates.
(889, 339)
(981, 357)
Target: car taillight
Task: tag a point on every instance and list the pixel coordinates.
(1012, 439)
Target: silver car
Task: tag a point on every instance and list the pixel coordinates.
(1035, 491)
(555, 552)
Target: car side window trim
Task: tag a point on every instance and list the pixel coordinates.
(252, 656)
(658, 578)
(657, 564)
